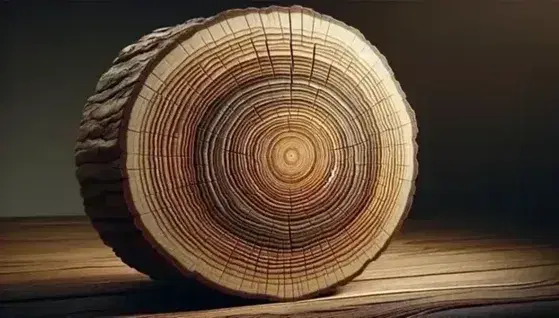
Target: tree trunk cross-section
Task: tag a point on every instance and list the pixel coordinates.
(267, 152)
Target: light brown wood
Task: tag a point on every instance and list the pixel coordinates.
(268, 152)
(59, 267)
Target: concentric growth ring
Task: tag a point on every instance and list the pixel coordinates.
(268, 151)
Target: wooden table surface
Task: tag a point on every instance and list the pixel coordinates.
(58, 267)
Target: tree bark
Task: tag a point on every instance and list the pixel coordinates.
(98, 154)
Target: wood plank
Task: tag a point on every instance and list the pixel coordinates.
(58, 266)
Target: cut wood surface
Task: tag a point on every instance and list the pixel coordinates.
(268, 152)
(59, 267)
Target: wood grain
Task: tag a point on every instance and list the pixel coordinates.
(269, 152)
(59, 267)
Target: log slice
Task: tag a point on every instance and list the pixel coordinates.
(267, 152)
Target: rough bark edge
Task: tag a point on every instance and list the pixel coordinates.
(99, 161)
(161, 258)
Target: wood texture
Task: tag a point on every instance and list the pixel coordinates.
(268, 152)
(59, 267)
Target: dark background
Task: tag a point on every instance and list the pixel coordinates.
(481, 76)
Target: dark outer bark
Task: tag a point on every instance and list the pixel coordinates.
(99, 160)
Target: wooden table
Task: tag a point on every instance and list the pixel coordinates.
(58, 267)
